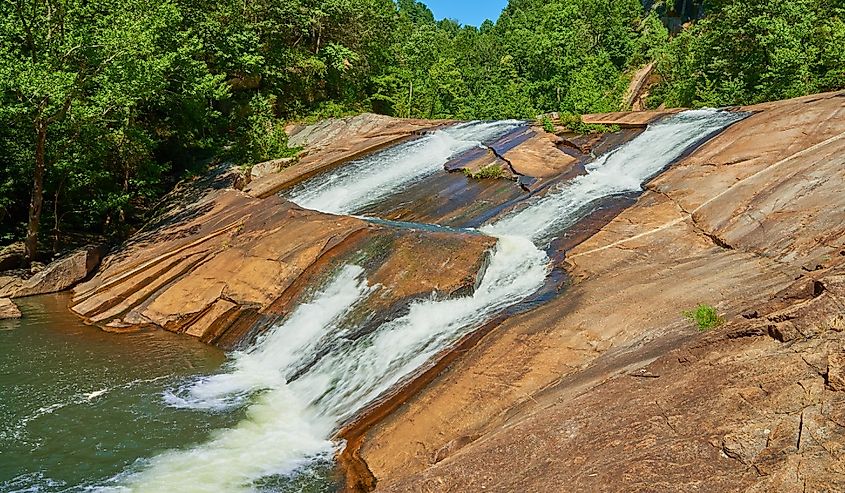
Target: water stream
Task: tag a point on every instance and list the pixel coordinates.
(289, 422)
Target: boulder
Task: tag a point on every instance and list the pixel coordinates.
(261, 170)
(12, 256)
(8, 309)
(62, 274)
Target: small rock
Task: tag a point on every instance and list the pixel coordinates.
(744, 445)
(8, 309)
(836, 371)
(36, 267)
(750, 314)
(783, 331)
(63, 273)
(837, 323)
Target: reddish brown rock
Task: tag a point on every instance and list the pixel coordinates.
(627, 119)
(8, 309)
(221, 264)
(729, 226)
(539, 156)
(336, 141)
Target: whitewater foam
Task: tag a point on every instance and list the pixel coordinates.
(289, 423)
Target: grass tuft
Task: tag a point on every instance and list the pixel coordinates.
(705, 317)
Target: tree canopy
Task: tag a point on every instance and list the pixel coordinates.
(105, 104)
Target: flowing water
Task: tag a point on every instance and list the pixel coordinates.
(306, 376)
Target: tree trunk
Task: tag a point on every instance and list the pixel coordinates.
(37, 201)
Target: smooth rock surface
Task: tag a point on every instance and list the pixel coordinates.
(336, 141)
(733, 225)
(218, 266)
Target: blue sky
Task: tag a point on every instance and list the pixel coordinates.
(472, 12)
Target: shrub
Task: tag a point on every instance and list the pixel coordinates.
(705, 317)
(492, 171)
(548, 125)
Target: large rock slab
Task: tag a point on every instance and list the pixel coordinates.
(627, 119)
(61, 274)
(217, 268)
(333, 142)
(699, 235)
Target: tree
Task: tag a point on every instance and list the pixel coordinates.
(83, 68)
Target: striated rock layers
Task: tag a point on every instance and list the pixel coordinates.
(222, 266)
(609, 388)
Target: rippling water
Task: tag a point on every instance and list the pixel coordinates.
(78, 406)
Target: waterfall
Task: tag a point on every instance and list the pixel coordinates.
(290, 423)
(358, 184)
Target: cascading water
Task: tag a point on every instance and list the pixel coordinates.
(290, 422)
(625, 169)
(361, 183)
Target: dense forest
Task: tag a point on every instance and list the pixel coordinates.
(104, 104)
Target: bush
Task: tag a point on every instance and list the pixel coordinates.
(548, 124)
(492, 171)
(705, 317)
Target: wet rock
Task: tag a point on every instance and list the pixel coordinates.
(8, 309)
(62, 274)
(218, 268)
(336, 141)
(718, 394)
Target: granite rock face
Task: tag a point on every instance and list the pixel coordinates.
(220, 266)
(753, 222)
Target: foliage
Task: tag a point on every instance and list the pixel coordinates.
(488, 172)
(750, 51)
(705, 317)
(548, 124)
(104, 104)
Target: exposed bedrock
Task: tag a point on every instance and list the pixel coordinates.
(609, 388)
(335, 141)
(224, 264)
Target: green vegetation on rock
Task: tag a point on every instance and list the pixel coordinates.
(705, 317)
(492, 171)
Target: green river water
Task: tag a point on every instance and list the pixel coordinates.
(79, 406)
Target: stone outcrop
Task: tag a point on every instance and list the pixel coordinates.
(627, 119)
(222, 265)
(60, 274)
(12, 256)
(8, 309)
(752, 222)
(336, 141)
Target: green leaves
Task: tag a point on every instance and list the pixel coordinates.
(749, 51)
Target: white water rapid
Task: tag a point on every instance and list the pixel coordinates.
(364, 182)
(290, 423)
